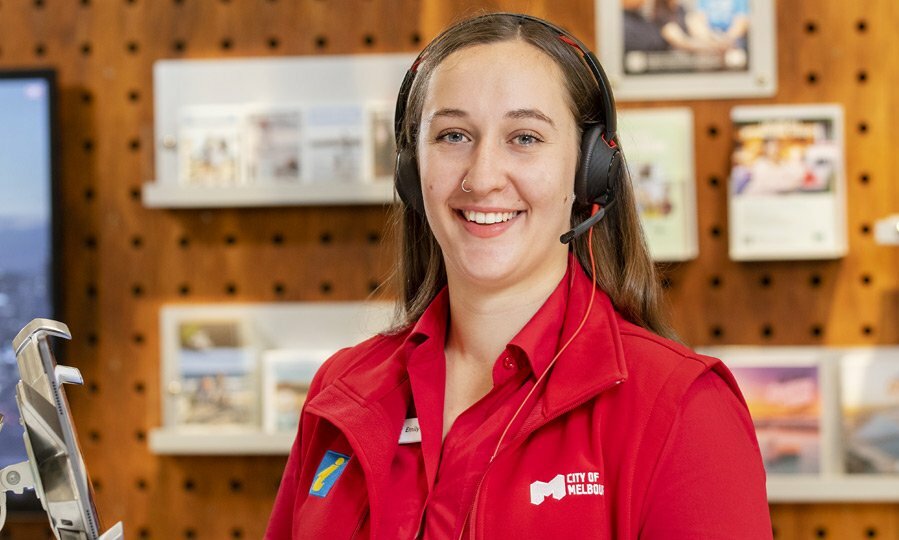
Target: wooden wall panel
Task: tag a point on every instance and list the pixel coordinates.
(122, 261)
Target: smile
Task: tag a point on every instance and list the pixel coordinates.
(488, 218)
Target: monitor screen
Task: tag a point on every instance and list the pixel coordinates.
(27, 186)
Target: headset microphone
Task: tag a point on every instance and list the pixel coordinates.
(586, 224)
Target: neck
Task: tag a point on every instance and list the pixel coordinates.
(483, 320)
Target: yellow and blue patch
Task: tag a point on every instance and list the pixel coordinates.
(329, 470)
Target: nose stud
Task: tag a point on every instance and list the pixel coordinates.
(466, 190)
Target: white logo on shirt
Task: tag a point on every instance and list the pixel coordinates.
(579, 483)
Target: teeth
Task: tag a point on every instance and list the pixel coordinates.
(488, 218)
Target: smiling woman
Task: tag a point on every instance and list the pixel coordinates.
(529, 387)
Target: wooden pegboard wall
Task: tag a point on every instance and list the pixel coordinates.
(122, 261)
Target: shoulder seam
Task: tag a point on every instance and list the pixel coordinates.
(679, 350)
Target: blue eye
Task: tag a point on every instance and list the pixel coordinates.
(453, 137)
(526, 139)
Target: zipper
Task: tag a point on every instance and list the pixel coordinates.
(471, 515)
(361, 521)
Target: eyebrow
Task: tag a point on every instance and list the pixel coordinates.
(514, 114)
(450, 113)
(530, 113)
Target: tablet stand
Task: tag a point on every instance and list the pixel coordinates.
(54, 469)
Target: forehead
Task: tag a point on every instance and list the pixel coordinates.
(504, 70)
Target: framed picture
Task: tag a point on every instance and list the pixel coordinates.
(209, 143)
(380, 141)
(272, 139)
(212, 378)
(786, 390)
(869, 385)
(659, 148)
(286, 376)
(674, 49)
(787, 184)
(334, 143)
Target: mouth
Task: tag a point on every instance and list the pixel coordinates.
(487, 218)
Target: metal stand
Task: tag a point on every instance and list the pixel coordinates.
(50, 440)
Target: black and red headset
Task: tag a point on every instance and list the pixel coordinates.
(600, 163)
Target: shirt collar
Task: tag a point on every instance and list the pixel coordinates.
(537, 341)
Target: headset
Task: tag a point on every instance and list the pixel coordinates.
(600, 162)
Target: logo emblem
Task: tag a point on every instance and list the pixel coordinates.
(577, 483)
(329, 470)
(555, 488)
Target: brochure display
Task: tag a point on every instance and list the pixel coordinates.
(826, 419)
(698, 49)
(235, 376)
(284, 146)
(275, 131)
(659, 148)
(787, 193)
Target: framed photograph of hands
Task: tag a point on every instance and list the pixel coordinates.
(685, 49)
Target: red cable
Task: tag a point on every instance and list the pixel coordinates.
(565, 346)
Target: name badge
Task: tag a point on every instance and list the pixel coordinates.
(411, 432)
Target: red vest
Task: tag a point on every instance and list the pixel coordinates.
(632, 436)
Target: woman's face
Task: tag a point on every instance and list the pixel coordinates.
(497, 116)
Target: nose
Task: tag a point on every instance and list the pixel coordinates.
(487, 171)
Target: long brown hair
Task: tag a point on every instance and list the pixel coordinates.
(625, 270)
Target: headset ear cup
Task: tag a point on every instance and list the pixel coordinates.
(599, 167)
(407, 182)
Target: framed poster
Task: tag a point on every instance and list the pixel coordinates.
(658, 144)
(787, 184)
(286, 376)
(674, 49)
(870, 409)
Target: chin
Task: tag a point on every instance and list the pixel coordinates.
(503, 269)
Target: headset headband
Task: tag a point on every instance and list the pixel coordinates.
(606, 100)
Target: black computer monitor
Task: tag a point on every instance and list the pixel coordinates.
(28, 196)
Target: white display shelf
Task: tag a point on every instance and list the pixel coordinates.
(312, 328)
(166, 195)
(855, 488)
(179, 85)
(187, 442)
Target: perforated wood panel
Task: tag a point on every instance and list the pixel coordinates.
(122, 261)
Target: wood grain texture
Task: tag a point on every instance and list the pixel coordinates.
(122, 261)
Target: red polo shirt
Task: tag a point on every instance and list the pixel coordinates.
(437, 483)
